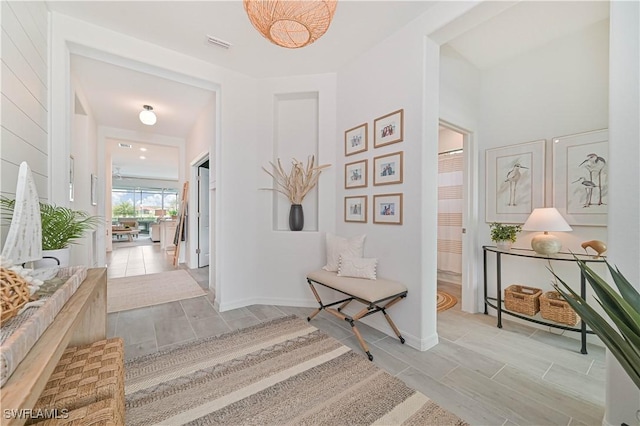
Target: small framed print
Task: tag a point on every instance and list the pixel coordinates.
(355, 174)
(387, 209)
(355, 209)
(388, 129)
(388, 169)
(355, 140)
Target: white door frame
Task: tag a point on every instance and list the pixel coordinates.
(469, 302)
(200, 159)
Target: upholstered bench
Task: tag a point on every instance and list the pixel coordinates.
(371, 293)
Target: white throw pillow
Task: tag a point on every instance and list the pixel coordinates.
(350, 247)
(357, 267)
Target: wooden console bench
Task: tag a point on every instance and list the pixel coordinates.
(371, 293)
(82, 320)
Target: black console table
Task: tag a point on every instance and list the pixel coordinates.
(496, 302)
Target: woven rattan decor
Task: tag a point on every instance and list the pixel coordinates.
(291, 23)
(14, 294)
(553, 307)
(522, 299)
(84, 376)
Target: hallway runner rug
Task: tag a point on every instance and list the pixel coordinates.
(279, 372)
(152, 289)
(445, 301)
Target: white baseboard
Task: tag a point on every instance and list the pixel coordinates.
(227, 306)
(378, 322)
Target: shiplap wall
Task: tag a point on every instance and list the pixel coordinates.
(24, 118)
(24, 94)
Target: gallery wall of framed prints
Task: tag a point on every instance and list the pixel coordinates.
(386, 169)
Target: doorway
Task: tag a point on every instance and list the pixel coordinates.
(201, 248)
(451, 211)
(203, 205)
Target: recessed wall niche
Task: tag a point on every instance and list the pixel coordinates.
(295, 136)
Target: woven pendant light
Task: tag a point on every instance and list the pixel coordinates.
(291, 23)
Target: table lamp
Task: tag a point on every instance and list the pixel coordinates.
(546, 220)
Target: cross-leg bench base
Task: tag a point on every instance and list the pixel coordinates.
(376, 295)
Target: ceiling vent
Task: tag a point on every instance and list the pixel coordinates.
(125, 145)
(218, 42)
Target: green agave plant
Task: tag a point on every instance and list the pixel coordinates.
(61, 226)
(622, 308)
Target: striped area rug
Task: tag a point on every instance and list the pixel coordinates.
(279, 372)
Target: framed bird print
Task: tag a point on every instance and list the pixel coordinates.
(514, 181)
(581, 178)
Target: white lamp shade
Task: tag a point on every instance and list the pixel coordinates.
(148, 117)
(546, 219)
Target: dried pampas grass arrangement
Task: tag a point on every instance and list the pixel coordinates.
(296, 184)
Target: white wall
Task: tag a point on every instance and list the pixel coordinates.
(84, 147)
(558, 89)
(285, 257)
(202, 137)
(459, 90)
(449, 140)
(295, 136)
(623, 397)
(400, 72)
(24, 103)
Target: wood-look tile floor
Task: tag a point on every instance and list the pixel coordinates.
(488, 376)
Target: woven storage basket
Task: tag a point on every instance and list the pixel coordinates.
(14, 294)
(522, 299)
(553, 307)
(86, 375)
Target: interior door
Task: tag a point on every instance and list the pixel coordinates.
(203, 217)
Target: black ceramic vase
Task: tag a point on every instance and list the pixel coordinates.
(296, 217)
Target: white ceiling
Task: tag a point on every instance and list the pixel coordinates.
(160, 162)
(184, 25)
(116, 95)
(525, 26)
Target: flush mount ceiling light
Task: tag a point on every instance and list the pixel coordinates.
(291, 23)
(147, 116)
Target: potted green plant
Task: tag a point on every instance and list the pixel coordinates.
(173, 213)
(504, 235)
(623, 310)
(61, 227)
